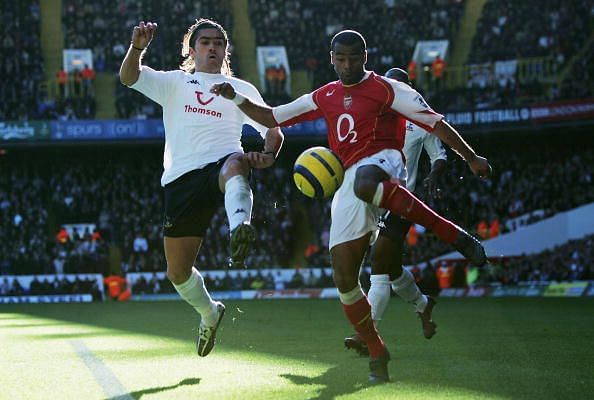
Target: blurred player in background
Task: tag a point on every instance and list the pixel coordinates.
(386, 266)
(366, 117)
(204, 163)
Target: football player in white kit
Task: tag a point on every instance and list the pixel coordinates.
(387, 252)
(204, 163)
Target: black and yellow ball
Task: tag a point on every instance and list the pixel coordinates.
(318, 172)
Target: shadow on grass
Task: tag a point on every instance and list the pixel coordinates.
(467, 354)
(139, 393)
(332, 382)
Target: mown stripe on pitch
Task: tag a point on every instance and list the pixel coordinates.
(323, 162)
(110, 384)
(318, 189)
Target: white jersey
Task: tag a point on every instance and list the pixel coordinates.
(415, 140)
(200, 127)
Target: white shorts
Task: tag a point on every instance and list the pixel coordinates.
(353, 218)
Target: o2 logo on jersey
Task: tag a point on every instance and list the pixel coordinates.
(350, 128)
(199, 98)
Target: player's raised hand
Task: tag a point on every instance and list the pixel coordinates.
(142, 34)
(224, 89)
(480, 167)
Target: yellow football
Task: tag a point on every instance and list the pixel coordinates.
(318, 172)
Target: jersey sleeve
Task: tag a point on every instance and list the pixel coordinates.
(434, 148)
(253, 93)
(154, 84)
(412, 106)
(301, 109)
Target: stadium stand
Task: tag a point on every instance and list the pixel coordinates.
(110, 36)
(391, 28)
(509, 34)
(571, 262)
(120, 195)
(508, 30)
(21, 69)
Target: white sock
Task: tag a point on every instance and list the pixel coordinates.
(194, 292)
(406, 287)
(379, 296)
(238, 201)
(351, 297)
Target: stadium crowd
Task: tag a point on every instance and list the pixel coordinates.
(506, 31)
(42, 286)
(121, 196)
(570, 262)
(309, 26)
(110, 35)
(21, 69)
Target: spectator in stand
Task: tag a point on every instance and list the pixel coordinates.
(62, 80)
(437, 70)
(88, 78)
(412, 70)
(117, 288)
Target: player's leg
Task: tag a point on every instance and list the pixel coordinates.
(233, 182)
(190, 203)
(180, 253)
(392, 195)
(387, 262)
(346, 261)
(352, 223)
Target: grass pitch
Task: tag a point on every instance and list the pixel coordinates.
(487, 348)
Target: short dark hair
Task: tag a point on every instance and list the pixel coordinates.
(349, 38)
(398, 74)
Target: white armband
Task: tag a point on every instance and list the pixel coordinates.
(238, 99)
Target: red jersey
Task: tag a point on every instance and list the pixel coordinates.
(364, 118)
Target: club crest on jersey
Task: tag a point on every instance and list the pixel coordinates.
(348, 102)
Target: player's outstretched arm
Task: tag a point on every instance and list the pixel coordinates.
(447, 134)
(260, 114)
(142, 34)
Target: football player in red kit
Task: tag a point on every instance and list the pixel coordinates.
(366, 116)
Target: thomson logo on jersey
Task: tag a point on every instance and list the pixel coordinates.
(200, 100)
(201, 110)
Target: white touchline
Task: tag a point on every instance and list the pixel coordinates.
(110, 384)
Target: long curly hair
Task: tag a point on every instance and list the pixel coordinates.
(189, 41)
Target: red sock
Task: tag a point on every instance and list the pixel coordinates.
(359, 314)
(400, 201)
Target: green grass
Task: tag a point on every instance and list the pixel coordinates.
(532, 348)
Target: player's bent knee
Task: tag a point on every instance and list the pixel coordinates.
(238, 165)
(177, 277)
(365, 189)
(345, 284)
